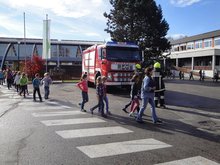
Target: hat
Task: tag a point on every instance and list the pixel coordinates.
(157, 65)
(138, 66)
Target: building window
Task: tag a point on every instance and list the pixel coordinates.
(190, 46)
(217, 41)
(182, 47)
(69, 51)
(198, 44)
(176, 48)
(207, 43)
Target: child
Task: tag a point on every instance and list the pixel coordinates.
(134, 90)
(23, 83)
(100, 96)
(46, 81)
(36, 86)
(105, 98)
(83, 85)
(17, 81)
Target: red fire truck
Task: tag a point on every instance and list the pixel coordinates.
(115, 60)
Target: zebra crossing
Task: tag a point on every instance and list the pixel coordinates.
(49, 109)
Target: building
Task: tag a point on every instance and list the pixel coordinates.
(65, 54)
(199, 52)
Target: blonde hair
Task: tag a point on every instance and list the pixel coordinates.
(46, 74)
(99, 80)
(104, 78)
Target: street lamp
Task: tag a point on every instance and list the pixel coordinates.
(19, 55)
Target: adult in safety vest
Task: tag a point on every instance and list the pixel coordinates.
(160, 86)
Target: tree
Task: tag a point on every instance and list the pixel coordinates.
(33, 66)
(139, 21)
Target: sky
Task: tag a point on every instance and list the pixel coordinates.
(84, 20)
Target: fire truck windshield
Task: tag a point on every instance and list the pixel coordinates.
(121, 54)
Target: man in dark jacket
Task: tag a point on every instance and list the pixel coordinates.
(160, 86)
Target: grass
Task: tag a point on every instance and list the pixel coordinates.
(70, 81)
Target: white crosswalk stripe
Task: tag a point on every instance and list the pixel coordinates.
(198, 160)
(45, 107)
(55, 109)
(72, 121)
(117, 148)
(92, 132)
(57, 113)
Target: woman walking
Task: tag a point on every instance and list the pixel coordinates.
(147, 96)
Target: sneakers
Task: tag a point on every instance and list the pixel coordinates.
(163, 106)
(91, 111)
(103, 115)
(124, 110)
(158, 121)
(109, 113)
(83, 110)
(139, 121)
(131, 114)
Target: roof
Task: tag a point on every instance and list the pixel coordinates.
(53, 41)
(207, 35)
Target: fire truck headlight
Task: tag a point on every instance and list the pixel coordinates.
(114, 66)
(133, 67)
(109, 76)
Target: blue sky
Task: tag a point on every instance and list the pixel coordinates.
(83, 19)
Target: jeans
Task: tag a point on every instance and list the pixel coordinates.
(105, 98)
(100, 105)
(46, 92)
(85, 99)
(145, 101)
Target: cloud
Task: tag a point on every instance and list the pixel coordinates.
(176, 36)
(70, 19)
(183, 3)
(10, 25)
(64, 8)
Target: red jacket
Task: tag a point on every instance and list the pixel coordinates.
(83, 86)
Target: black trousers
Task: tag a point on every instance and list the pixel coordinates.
(159, 97)
(38, 92)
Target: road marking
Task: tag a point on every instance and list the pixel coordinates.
(33, 108)
(67, 134)
(198, 160)
(72, 121)
(117, 148)
(44, 106)
(57, 113)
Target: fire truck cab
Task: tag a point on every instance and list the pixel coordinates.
(114, 60)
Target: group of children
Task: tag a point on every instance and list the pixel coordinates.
(20, 82)
(143, 89)
(46, 81)
(100, 92)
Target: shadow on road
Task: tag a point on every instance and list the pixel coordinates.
(168, 127)
(192, 101)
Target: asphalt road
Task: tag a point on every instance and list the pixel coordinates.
(55, 132)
